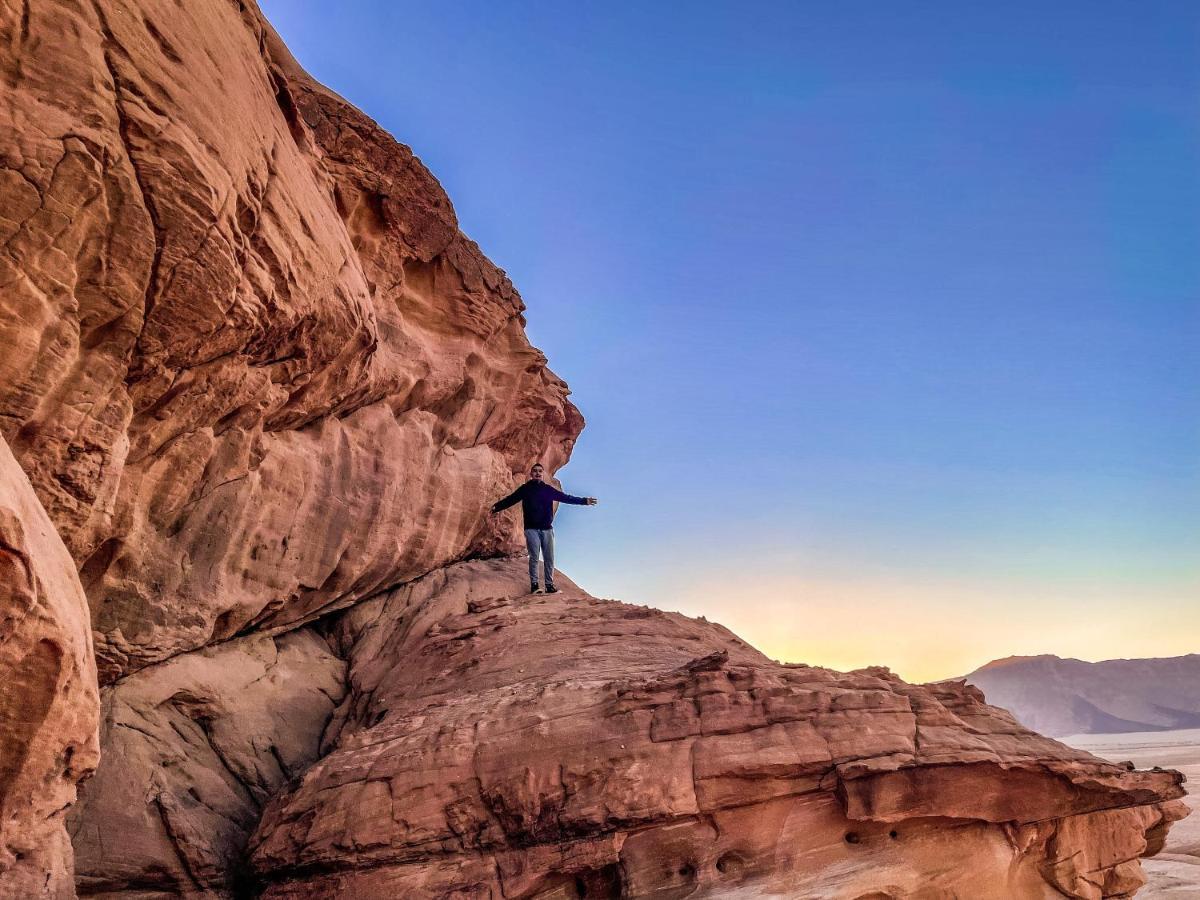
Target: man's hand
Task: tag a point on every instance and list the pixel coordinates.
(591, 501)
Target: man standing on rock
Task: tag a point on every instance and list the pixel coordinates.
(537, 508)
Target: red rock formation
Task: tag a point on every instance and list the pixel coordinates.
(494, 745)
(258, 379)
(240, 321)
(193, 749)
(48, 735)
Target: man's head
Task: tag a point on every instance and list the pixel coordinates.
(537, 472)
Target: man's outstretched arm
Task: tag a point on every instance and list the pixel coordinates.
(509, 500)
(567, 498)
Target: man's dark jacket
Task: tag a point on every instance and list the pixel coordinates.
(537, 503)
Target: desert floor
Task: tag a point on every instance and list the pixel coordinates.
(1175, 872)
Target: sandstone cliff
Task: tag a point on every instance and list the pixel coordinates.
(265, 391)
(240, 322)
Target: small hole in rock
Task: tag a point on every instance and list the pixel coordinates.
(893, 834)
(852, 837)
(730, 864)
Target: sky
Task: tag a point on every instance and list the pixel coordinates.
(884, 318)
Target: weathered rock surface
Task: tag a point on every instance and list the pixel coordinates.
(193, 749)
(48, 718)
(239, 321)
(493, 745)
(1174, 872)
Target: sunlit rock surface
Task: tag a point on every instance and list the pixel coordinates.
(499, 745)
(1174, 872)
(251, 366)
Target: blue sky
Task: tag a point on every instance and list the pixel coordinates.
(885, 318)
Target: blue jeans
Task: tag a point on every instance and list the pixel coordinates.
(540, 542)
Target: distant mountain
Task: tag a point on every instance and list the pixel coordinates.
(1069, 696)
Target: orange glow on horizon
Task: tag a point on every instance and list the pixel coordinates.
(926, 632)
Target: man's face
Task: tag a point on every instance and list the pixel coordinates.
(536, 473)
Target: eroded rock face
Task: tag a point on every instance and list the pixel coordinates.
(494, 745)
(193, 749)
(240, 322)
(48, 703)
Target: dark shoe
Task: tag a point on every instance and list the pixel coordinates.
(552, 590)
(534, 589)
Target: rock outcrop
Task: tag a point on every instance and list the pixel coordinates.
(495, 745)
(48, 737)
(264, 390)
(1174, 872)
(1059, 696)
(240, 322)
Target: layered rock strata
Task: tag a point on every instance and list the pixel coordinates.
(499, 745)
(48, 738)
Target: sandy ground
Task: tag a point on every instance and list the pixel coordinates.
(1175, 872)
